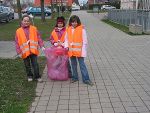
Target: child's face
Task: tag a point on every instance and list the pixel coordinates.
(74, 24)
(26, 22)
(60, 24)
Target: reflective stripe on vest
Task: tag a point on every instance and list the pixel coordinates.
(75, 40)
(55, 36)
(75, 49)
(25, 50)
(76, 44)
(28, 46)
(24, 44)
(34, 42)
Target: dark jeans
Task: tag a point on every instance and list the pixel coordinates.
(32, 60)
(69, 70)
(83, 69)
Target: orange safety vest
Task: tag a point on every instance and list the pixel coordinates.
(28, 46)
(55, 36)
(75, 41)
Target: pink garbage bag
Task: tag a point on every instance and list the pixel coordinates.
(57, 62)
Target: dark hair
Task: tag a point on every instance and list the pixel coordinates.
(24, 17)
(74, 18)
(62, 19)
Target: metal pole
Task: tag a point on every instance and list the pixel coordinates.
(137, 4)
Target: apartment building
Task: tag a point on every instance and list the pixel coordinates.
(135, 4)
(97, 1)
(48, 2)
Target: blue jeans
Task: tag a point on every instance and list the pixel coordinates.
(32, 60)
(83, 69)
(69, 70)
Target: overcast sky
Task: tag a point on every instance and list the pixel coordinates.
(81, 1)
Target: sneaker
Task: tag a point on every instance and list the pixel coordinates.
(88, 82)
(39, 80)
(73, 80)
(30, 79)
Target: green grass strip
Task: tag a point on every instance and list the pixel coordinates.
(16, 93)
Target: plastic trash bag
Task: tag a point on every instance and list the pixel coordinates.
(57, 63)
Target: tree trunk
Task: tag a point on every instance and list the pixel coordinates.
(42, 10)
(19, 9)
(52, 8)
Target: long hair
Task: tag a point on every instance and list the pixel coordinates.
(74, 18)
(23, 18)
(26, 16)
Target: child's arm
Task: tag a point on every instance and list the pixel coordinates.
(40, 41)
(66, 41)
(18, 50)
(52, 40)
(85, 42)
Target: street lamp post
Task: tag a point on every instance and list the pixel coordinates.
(137, 2)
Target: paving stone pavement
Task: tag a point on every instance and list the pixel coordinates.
(119, 67)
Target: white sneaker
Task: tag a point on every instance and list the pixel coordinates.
(30, 79)
(39, 80)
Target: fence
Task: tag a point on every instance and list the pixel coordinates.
(127, 17)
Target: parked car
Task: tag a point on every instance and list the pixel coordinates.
(37, 11)
(4, 17)
(107, 7)
(10, 12)
(75, 8)
(48, 9)
(25, 9)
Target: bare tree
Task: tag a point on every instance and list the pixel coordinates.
(42, 10)
(19, 9)
(52, 8)
(8, 2)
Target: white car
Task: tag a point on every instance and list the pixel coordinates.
(75, 8)
(107, 7)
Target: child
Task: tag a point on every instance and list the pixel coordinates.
(57, 36)
(27, 42)
(76, 42)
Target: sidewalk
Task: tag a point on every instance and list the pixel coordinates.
(119, 66)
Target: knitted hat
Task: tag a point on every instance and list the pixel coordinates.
(60, 19)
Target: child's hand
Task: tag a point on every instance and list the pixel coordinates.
(59, 43)
(43, 48)
(59, 47)
(55, 44)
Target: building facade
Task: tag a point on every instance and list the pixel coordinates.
(49, 2)
(23, 1)
(97, 1)
(135, 4)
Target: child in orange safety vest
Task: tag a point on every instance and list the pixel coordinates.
(27, 43)
(58, 35)
(76, 42)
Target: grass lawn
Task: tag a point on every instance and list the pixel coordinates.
(16, 93)
(120, 27)
(7, 30)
